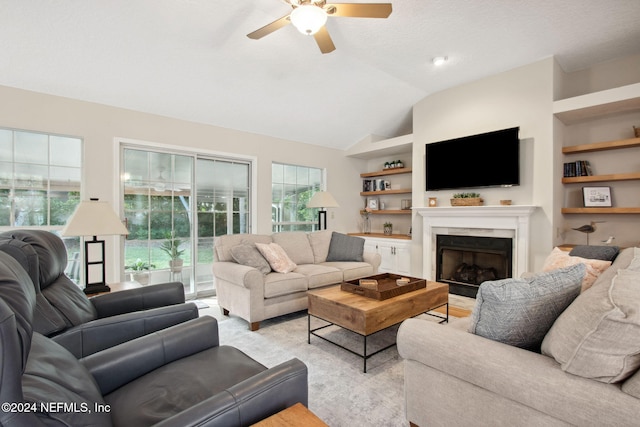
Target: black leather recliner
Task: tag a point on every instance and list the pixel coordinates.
(179, 376)
(85, 325)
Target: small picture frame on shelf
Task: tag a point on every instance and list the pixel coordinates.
(373, 203)
(596, 196)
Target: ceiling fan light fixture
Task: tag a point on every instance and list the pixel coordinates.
(308, 19)
(439, 60)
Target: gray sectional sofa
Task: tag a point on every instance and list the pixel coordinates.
(586, 372)
(244, 290)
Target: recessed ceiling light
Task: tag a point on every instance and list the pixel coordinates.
(439, 60)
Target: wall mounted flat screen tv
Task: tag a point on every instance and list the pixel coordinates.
(489, 159)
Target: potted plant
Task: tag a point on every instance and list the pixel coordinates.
(388, 228)
(172, 248)
(140, 271)
(466, 199)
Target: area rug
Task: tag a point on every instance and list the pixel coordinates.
(339, 392)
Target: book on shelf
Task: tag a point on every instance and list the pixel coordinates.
(577, 168)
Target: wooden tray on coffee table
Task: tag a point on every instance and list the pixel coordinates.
(386, 288)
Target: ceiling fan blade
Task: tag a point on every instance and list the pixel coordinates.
(359, 10)
(270, 28)
(324, 40)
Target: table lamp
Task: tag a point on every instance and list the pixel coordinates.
(322, 200)
(94, 218)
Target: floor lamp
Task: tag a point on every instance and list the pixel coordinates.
(94, 218)
(322, 200)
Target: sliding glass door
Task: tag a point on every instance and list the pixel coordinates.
(175, 203)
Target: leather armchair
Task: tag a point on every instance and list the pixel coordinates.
(179, 376)
(85, 325)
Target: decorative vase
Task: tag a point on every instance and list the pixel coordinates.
(388, 229)
(366, 225)
(142, 278)
(176, 265)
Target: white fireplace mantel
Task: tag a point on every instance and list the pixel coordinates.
(477, 220)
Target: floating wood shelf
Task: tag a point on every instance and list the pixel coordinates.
(600, 178)
(629, 210)
(391, 212)
(383, 192)
(392, 171)
(602, 146)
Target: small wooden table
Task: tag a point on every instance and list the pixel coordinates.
(366, 316)
(296, 415)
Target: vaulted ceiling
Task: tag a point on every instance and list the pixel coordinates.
(191, 59)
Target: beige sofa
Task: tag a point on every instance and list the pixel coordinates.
(246, 292)
(456, 378)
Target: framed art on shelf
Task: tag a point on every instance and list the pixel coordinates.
(596, 196)
(372, 203)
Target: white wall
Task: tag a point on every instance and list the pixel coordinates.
(100, 125)
(520, 97)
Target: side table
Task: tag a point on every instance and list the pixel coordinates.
(296, 415)
(119, 286)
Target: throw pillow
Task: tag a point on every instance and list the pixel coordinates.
(598, 336)
(632, 385)
(519, 312)
(594, 267)
(605, 253)
(345, 248)
(277, 257)
(251, 256)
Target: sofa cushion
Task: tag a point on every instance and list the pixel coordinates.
(223, 244)
(320, 275)
(251, 256)
(605, 253)
(351, 270)
(345, 248)
(276, 257)
(519, 312)
(594, 267)
(632, 385)
(296, 245)
(598, 336)
(320, 241)
(278, 284)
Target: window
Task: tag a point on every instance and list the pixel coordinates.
(40, 184)
(39, 178)
(291, 188)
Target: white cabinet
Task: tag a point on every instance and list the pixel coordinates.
(395, 253)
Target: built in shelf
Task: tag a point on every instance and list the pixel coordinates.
(392, 171)
(391, 212)
(598, 104)
(601, 210)
(600, 178)
(383, 192)
(602, 146)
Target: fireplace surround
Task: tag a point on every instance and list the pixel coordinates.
(511, 222)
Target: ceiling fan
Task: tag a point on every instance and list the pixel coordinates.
(309, 17)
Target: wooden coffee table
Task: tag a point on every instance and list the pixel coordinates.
(366, 316)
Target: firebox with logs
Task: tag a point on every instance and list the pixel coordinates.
(465, 262)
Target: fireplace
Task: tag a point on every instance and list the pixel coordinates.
(464, 262)
(511, 222)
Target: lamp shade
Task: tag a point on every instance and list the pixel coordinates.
(322, 199)
(94, 218)
(308, 19)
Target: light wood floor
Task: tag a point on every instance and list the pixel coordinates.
(454, 311)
